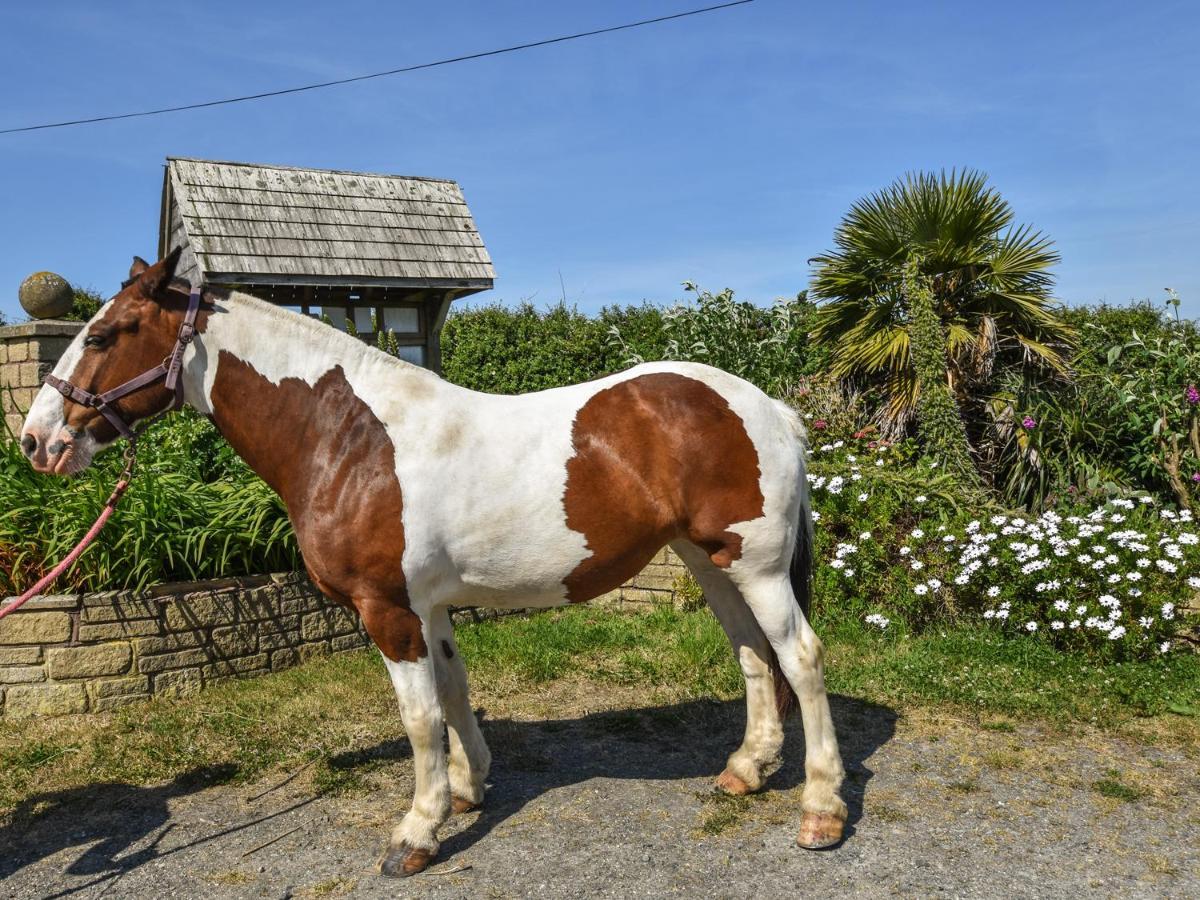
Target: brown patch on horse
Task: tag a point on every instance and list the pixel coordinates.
(330, 459)
(657, 457)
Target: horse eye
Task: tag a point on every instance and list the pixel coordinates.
(94, 340)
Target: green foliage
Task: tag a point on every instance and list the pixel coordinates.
(1154, 381)
(193, 511)
(768, 347)
(990, 281)
(87, 304)
(510, 351)
(1088, 441)
(939, 424)
(1069, 451)
(507, 351)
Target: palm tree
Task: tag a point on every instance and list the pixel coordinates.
(990, 282)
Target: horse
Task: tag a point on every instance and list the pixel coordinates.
(409, 495)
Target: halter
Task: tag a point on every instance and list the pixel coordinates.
(169, 370)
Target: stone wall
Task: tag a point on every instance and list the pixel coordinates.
(27, 352)
(73, 653)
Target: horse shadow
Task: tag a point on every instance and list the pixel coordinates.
(673, 742)
(113, 818)
(531, 758)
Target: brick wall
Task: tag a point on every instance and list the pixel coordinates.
(27, 352)
(92, 652)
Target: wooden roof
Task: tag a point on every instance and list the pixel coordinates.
(246, 224)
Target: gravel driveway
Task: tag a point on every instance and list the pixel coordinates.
(617, 803)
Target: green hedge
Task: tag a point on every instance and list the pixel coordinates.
(511, 351)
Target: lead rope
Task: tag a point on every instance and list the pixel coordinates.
(105, 514)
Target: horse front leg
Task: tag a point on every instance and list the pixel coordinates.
(401, 638)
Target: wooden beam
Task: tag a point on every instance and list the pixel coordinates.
(436, 309)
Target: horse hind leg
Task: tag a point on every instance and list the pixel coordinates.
(758, 756)
(801, 657)
(470, 758)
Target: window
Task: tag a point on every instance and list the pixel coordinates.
(362, 319)
(413, 354)
(337, 316)
(402, 319)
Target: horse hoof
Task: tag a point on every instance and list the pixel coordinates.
(730, 784)
(402, 861)
(819, 831)
(459, 806)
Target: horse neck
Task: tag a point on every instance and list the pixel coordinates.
(286, 390)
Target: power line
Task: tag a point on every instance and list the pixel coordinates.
(398, 71)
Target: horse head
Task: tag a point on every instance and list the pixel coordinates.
(131, 333)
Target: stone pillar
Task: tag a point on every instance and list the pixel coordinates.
(27, 352)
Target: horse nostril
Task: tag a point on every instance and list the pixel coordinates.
(28, 445)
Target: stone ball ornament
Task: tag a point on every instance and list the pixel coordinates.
(45, 295)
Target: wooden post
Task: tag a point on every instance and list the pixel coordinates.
(436, 310)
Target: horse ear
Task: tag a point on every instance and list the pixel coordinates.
(153, 279)
(138, 267)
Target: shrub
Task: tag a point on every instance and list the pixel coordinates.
(768, 347)
(87, 304)
(897, 545)
(512, 351)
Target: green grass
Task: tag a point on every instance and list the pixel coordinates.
(992, 674)
(1110, 787)
(722, 812)
(335, 719)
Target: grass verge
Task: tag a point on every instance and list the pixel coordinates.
(337, 716)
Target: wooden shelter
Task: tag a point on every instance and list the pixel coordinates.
(383, 252)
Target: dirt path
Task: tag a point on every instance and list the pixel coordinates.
(617, 803)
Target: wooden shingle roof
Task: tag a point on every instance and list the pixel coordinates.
(276, 225)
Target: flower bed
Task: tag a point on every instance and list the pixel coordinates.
(898, 549)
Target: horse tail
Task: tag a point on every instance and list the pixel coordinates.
(801, 567)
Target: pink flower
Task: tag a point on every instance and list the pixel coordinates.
(1028, 422)
(1192, 395)
(820, 424)
(1196, 477)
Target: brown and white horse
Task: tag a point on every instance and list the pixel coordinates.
(409, 494)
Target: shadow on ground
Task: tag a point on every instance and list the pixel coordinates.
(687, 740)
(676, 741)
(112, 818)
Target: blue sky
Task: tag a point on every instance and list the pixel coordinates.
(722, 148)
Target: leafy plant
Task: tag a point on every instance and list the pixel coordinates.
(193, 511)
(87, 304)
(766, 346)
(990, 282)
(1154, 380)
(510, 351)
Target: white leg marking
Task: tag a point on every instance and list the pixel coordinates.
(801, 656)
(758, 756)
(416, 689)
(470, 758)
